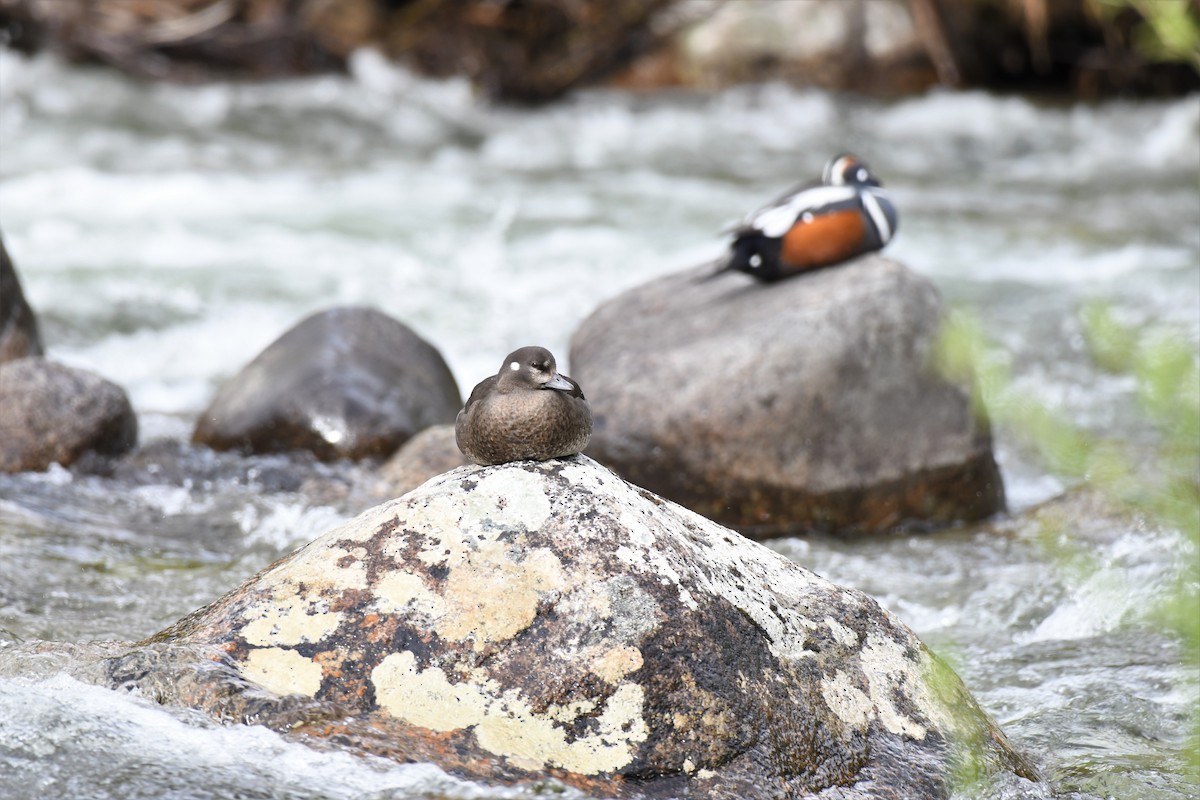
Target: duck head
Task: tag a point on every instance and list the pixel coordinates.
(531, 368)
(847, 169)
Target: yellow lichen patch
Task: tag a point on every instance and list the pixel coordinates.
(504, 722)
(847, 702)
(571, 711)
(491, 597)
(889, 672)
(282, 671)
(533, 742)
(513, 499)
(333, 568)
(405, 591)
(617, 663)
(325, 565)
(290, 625)
(439, 522)
(425, 697)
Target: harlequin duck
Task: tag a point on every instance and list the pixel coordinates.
(817, 225)
(527, 410)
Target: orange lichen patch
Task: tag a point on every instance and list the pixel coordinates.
(825, 239)
(331, 662)
(350, 599)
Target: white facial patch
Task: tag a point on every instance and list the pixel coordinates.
(756, 260)
(514, 366)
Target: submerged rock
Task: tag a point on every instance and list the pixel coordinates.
(811, 403)
(342, 383)
(51, 413)
(19, 335)
(549, 619)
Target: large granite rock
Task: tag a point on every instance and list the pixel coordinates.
(537, 619)
(51, 413)
(342, 383)
(19, 335)
(811, 403)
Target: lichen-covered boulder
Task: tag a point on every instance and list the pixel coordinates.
(540, 619)
(51, 413)
(343, 383)
(431, 452)
(811, 403)
(19, 335)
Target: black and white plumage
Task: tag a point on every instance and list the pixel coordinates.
(526, 411)
(816, 225)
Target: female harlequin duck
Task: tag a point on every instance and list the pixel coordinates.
(525, 411)
(817, 225)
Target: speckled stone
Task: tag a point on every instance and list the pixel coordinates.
(342, 383)
(808, 404)
(549, 619)
(51, 413)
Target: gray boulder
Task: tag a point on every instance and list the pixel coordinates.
(549, 619)
(342, 383)
(19, 335)
(431, 452)
(51, 413)
(811, 403)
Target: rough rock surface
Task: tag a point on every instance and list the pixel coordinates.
(540, 619)
(810, 403)
(19, 336)
(431, 452)
(342, 383)
(54, 413)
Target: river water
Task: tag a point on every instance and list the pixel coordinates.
(166, 234)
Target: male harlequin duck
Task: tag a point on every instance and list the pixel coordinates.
(527, 410)
(817, 225)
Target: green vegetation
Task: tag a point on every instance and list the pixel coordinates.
(1160, 482)
(1169, 29)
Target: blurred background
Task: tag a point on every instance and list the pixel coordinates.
(532, 51)
(183, 180)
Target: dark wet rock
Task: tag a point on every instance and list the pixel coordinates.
(533, 52)
(549, 619)
(51, 413)
(431, 452)
(513, 51)
(343, 383)
(188, 40)
(19, 335)
(807, 404)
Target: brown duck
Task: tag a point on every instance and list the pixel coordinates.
(526, 411)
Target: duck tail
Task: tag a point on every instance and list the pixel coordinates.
(717, 268)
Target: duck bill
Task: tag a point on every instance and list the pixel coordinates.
(560, 383)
